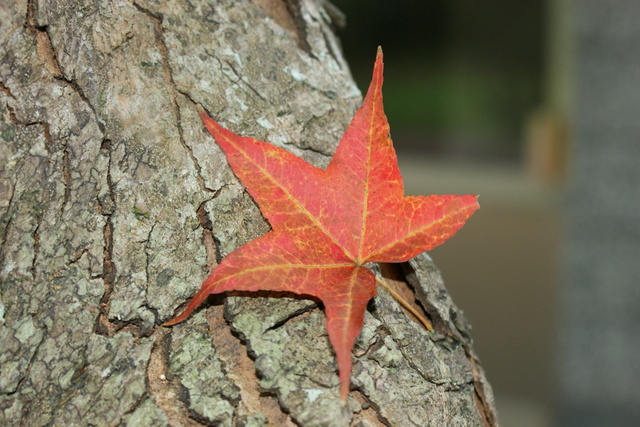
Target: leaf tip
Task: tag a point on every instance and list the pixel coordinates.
(202, 112)
(375, 87)
(173, 321)
(212, 126)
(344, 392)
(193, 304)
(379, 57)
(475, 200)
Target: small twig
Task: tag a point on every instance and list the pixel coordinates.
(406, 305)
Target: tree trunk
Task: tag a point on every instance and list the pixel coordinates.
(115, 203)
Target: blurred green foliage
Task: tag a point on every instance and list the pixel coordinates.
(461, 76)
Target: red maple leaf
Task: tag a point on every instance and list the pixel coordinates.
(328, 224)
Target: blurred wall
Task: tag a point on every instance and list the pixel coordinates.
(600, 338)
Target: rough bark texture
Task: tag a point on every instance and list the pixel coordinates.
(115, 202)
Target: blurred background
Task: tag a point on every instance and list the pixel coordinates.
(534, 106)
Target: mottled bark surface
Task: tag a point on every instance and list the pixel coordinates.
(115, 202)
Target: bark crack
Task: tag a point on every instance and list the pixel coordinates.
(3, 244)
(12, 113)
(240, 369)
(106, 208)
(383, 331)
(296, 315)
(241, 79)
(329, 45)
(66, 175)
(36, 232)
(29, 365)
(104, 325)
(378, 341)
(213, 253)
(328, 93)
(396, 280)
(77, 258)
(147, 252)
(295, 10)
(44, 47)
(337, 19)
(479, 395)
(173, 90)
(6, 90)
(47, 54)
(49, 143)
(36, 247)
(370, 412)
(162, 390)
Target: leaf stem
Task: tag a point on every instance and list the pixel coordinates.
(405, 304)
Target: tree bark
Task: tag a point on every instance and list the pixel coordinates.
(115, 203)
